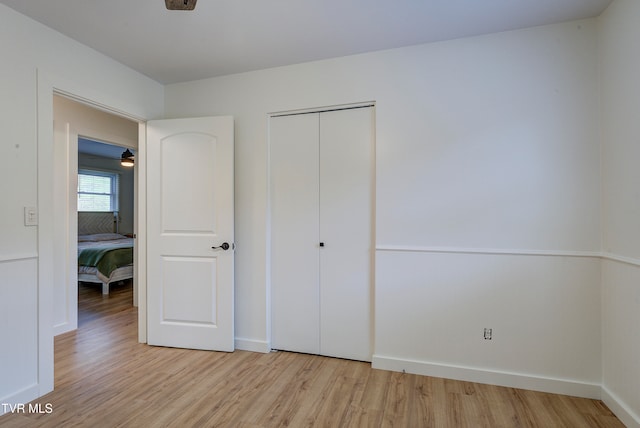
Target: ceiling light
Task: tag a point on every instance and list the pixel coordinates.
(180, 4)
(127, 158)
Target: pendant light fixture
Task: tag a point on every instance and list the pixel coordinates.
(127, 159)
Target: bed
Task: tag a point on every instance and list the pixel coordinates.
(104, 256)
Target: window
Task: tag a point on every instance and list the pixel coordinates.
(97, 191)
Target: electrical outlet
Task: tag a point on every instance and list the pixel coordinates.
(488, 333)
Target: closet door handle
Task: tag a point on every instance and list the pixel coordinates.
(322, 244)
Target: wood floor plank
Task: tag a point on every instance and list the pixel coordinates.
(104, 377)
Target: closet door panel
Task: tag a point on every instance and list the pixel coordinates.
(346, 225)
(294, 232)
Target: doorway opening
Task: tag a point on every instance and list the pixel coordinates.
(97, 212)
(105, 211)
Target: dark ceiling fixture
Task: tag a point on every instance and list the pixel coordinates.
(127, 158)
(180, 4)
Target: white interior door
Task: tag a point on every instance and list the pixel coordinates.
(294, 232)
(190, 285)
(346, 228)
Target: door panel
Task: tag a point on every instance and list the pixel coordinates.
(177, 305)
(183, 155)
(346, 206)
(190, 210)
(294, 232)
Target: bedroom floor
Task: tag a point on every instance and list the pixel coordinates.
(105, 378)
(93, 305)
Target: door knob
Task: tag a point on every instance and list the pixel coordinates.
(225, 246)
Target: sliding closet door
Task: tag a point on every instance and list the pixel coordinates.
(346, 207)
(294, 232)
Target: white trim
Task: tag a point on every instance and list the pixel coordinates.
(322, 109)
(23, 396)
(514, 252)
(490, 377)
(140, 231)
(621, 259)
(44, 108)
(91, 102)
(17, 257)
(243, 344)
(620, 409)
(492, 251)
(63, 327)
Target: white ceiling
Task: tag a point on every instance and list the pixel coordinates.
(230, 36)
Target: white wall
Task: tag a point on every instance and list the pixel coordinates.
(432, 308)
(488, 172)
(488, 196)
(620, 68)
(36, 56)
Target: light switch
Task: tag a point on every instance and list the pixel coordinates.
(30, 216)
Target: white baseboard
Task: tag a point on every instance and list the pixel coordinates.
(252, 345)
(620, 409)
(63, 328)
(468, 374)
(23, 396)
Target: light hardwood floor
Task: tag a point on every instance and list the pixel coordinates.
(104, 378)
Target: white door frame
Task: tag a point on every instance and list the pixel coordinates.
(47, 85)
